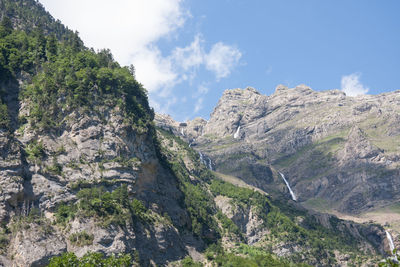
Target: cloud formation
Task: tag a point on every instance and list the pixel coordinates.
(132, 30)
(126, 27)
(352, 86)
(222, 58)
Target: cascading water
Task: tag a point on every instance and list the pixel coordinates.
(236, 135)
(204, 161)
(390, 239)
(201, 157)
(182, 133)
(210, 164)
(288, 186)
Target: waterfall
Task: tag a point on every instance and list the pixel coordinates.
(182, 133)
(288, 186)
(204, 161)
(236, 135)
(210, 164)
(190, 144)
(390, 239)
(202, 158)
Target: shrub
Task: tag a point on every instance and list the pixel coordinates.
(109, 207)
(69, 259)
(81, 239)
(35, 150)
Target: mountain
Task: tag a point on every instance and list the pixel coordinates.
(339, 152)
(87, 176)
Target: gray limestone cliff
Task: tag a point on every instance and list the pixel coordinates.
(334, 149)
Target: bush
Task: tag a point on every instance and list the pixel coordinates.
(35, 150)
(188, 262)
(81, 239)
(109, 207)
(69, 259)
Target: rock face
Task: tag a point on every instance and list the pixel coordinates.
(88, 150)
(342, 150)
(244, 217)
(188, 131)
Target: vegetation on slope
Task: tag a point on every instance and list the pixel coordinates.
(27, 15)
(91, 259)
(106, 207)
(64, 76)
(287, 226)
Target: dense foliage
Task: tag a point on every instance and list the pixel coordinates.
(65, 76)
(91, 259)
(30, 14)
(107, 207)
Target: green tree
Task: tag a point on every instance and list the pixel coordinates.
(6, 26)
(51, 47)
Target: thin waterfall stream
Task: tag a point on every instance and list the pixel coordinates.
(236, 135)
(288, 186)
(390, 239)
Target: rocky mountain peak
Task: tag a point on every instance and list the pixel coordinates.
(281, 88)
(239, 93)
(237, 107)
(299, 89)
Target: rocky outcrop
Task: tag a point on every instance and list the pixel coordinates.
(188, 131)
(244, 217)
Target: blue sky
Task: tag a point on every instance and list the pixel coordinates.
(187, 52)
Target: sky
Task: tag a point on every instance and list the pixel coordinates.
(187, 52)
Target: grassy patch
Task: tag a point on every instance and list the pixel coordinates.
(318, 204)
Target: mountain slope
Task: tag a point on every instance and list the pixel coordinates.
(260, 223)
(344, 151)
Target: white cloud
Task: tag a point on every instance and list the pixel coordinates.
(199, 94)
(165, 106)
(153, 70)
(189, 56)
(126, 27)
(202, 89)
(222, 59)
(199, 105)
(352, 86)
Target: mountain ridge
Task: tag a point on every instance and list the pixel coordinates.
(281, 128)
